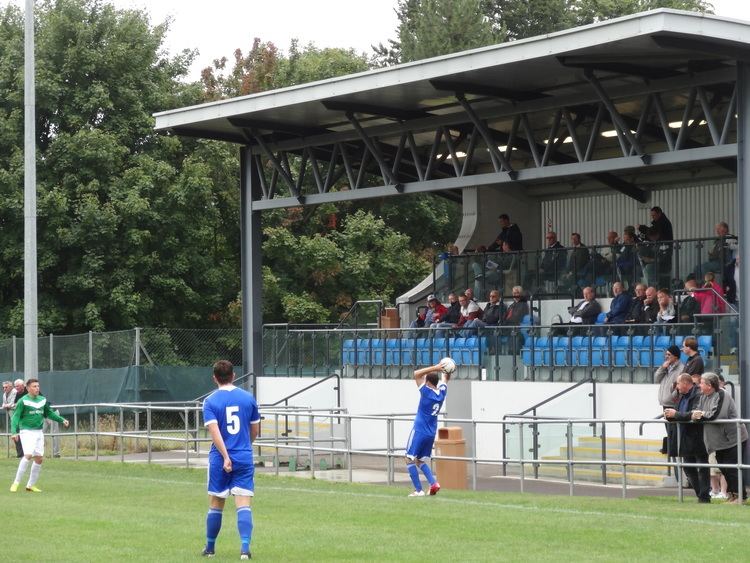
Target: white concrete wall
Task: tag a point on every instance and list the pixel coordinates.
(486, 401)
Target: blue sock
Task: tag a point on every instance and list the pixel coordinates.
(245, 527)
(213, 526)
(414, 474)
(428, 473)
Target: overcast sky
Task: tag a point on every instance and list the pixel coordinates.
(217, 27)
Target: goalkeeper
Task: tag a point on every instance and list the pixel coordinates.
(26, 425)
(432, 393)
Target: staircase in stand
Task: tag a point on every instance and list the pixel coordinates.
(590, 448)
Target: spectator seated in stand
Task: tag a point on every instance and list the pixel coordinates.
(492, 314)
(689, 305)
(425, 319)
(469, 312)
(650, 307)
(721, 254)
(666, 312)
(635, 312)
(586, 312)
(509, 232)
(451, 314)
(620, 306)
(518, 309)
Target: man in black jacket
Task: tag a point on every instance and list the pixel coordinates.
(509, 233)
(691, 448)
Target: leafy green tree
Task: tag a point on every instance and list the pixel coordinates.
(132, 226)
(428, 28)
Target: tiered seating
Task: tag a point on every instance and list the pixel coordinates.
(412, 351)
(603, 351)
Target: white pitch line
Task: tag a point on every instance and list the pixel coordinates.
(671, 518)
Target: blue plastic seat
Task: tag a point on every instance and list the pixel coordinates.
(662, 342)
(705, 345)
(600, 318)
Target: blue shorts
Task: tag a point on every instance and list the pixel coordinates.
(419, 446)
(239, 482)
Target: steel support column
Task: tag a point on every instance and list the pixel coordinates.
(251, 275)
(743, 252)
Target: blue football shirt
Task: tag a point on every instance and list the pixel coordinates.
(234, 410)
(430, 401)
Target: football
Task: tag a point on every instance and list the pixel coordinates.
(448, 365)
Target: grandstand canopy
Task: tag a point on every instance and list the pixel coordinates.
(649, 99)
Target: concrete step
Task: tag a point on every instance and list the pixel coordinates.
(580, 452)
(613, 477)
(612, 442)
(641, 469)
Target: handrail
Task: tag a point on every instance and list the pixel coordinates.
(555, 396)
(338, 391)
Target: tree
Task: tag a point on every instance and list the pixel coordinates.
(428, 28)
(132, 225)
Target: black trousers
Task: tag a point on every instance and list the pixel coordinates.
(19, 448)
(730, 474)
(699, 477)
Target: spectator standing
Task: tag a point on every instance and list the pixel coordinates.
(710, 296)
(691, 448)
(9, 401)
(552, 264)
(20, 388)
(722, 438)
(720, 255)
(666, 377)
(627, 258)
(509, 232)
(661, 225)
(694, 365)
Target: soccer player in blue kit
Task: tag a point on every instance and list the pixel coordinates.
(432, 393)
(231, 416)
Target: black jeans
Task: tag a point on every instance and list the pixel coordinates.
(699, 477)
(729, 456)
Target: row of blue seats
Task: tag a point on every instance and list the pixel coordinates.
(412, 351)
(598, 351)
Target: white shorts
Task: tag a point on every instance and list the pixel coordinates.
(32, 442)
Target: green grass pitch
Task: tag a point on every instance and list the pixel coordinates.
(104, 512)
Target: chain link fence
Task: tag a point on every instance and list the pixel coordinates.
(134, 347)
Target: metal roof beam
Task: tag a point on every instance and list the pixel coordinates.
(259, 124)
(489, 91)
(622, 164)
(369, 109)
(732, 50)
(213, 135)
(621, 68)
(429, 123)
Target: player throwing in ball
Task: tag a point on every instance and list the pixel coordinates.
(26, 425)
(231, 416)
(432, 393)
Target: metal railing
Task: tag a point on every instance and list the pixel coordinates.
(660, 263)
(340, 438)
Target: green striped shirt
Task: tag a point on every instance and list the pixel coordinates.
(31, 412)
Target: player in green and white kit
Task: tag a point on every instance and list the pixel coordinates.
(26, 425)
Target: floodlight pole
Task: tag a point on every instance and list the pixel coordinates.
(743, 252)
(30, 321)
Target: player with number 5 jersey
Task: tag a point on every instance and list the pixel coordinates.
(432, 394)
(231, 416)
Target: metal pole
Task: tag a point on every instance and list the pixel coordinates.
(570, 454)
(743, 251)
(96, 433)
(474, 455)
(187, 438)
(30, 320)
(520, 443)
(122, 434)
(137, 347)
(312, 445)
(276, 444)
(91, 350)
(624, 467)
(389, 447)
(15, 356)
(51, 352)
